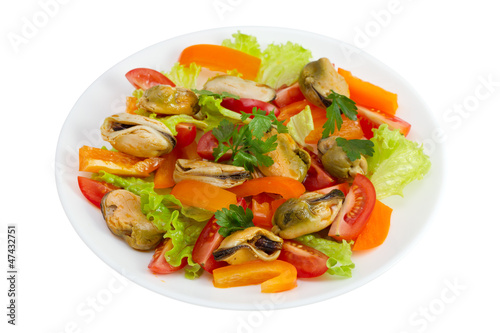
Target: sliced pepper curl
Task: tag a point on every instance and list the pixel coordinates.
(274, 276)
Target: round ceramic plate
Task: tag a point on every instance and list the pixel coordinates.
(106, 96)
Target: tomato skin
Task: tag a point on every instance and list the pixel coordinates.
(317, 178)
(372, 119)
(186, 133)
(206, 145)
(355, 211)
(159, 264)
(247, 104)
(145, 78)
(208, 241)
(288, 95)
(94, 190)
(308, 261)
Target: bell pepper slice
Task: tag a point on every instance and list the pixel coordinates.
(221, 58)
(284, 186)
(274, 276)
(164, 176)
(203, 195)
(97, 159)
(262, 210)
(377, 228)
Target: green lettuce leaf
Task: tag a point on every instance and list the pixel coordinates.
(172, 121)
(244, 43)
(184, 76)
(301, 125)
(395, 163)
(340, 262)
(281, 64)
(214, 112)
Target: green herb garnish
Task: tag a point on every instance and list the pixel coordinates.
(215, 95)
(233, 219)
(340, 104)
(354, 148)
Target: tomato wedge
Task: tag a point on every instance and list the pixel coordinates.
(186, 133)
(317, 178)
(308, 261)
(370, 119)
(247, 104)
(159, 264)
(355, 211)
(145, 78)
(288, 95)
(208, 241)
(94, 190)
(206, 145)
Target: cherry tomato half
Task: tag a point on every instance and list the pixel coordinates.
(206, 145)
(186, 133)
(145, 78)
(317, 178)
(309, 262)
(355, 211)
(247, 104)
(159, 264)
(94, 190)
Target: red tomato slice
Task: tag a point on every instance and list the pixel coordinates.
(159, 264)
(247, 104)
(308, 261)
(94, 190)
(206, 145)
(186, 133)
(208, 241)
(262, 210)
(344, 187)
(355, 211)
(145, 78)
(317, 178)
(288, 95)
(370, 119)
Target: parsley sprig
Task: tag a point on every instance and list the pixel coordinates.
(355, 147)
(340, 104)
(233, 219)
(245, 142)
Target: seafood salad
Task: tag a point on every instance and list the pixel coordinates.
(251, 164)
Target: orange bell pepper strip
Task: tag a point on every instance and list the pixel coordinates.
(189, 152)
(203, 195)
(376, 230)
(164, 176)
(131, 105)
(274, 276)
(284, 186)
(370, 95)
(97, 159)
(351, 129)
(262, 210)
(291, 110)
(221, 58)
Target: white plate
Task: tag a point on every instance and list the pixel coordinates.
(106, 96)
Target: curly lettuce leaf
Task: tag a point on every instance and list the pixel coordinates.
(301, 125)
(184, 76)
(172, 121)
(395, 163)
(339, 262)
(244, 43)
(281, 64)
(213, 112)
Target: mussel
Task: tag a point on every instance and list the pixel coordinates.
(137, 135)
(121, 210)
(336, 162)
(169, 100)
(221, 175)
(317, 79)
(249, 244)
(289, 159)
(310, 213)
(240, 87)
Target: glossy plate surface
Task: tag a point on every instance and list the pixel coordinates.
(106, 96)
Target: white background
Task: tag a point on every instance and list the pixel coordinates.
(445, 49)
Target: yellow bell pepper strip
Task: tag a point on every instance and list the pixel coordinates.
(376, 230)
(370, 95)
(203, 195)
(274, 276)
(97, 159)
(284, 186)
(221, 58)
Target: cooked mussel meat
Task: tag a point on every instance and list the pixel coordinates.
(240, 87)
(317, 79)
(336, 162)
(169, 100)
(137, 135)
(311, 212)
(221, 175)
(252, 243)
(121, 210)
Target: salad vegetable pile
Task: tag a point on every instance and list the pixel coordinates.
(256, 165)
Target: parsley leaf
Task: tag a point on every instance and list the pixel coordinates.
(233, 219)
(340, 104)
(246, 141)
(210, 93)
(354, 148)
